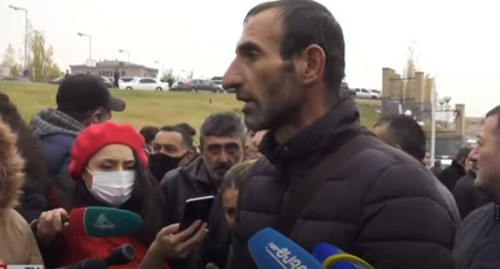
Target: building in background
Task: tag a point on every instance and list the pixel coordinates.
(108, 68)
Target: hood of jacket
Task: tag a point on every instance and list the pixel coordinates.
(52, 121)
(11, 169)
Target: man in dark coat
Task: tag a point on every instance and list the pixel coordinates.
(478, 238)
(222, 140)
(456, 170)
(323, 178)
(468, 196)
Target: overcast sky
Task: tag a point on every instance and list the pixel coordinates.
(456, 41)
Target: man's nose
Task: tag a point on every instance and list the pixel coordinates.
(224, 157)
(473, 154)
(232, 77)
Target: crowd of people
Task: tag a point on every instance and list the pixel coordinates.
(298, 161)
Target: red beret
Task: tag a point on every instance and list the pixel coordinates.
(97, 136)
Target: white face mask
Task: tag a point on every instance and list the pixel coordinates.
(112, 188)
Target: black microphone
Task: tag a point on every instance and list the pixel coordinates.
(119, 256)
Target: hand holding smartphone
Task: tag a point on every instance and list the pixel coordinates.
(196, 209)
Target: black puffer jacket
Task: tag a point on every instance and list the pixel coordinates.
(380, 205)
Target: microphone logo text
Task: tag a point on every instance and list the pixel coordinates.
(103, 223)
(284, 257)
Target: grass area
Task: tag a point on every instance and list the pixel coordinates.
(152, 108)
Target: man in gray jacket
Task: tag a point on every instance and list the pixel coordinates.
(478, 238)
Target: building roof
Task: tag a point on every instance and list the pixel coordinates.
(115, 64)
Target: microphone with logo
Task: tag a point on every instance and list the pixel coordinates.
(119, 256)
(334, 258)
(272, 250)
(103, 221)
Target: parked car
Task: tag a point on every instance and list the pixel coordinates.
(125, 79)
(146, 84)
(181, 85)
(345, 92)
(204, 85)
(366, 94)
(219, 81)
(377, 93)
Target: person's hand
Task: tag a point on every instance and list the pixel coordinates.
(50, 223)
(171, 244)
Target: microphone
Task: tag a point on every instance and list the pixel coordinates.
(103, 221)
(272, 250)
(119, 256)
(333, 257)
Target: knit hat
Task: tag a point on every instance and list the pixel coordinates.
(96, 137)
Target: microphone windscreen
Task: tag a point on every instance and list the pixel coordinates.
(270, 249)
(333, 257)
(103, 221)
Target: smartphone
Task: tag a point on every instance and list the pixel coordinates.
(196, 209)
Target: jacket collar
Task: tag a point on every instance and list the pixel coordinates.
(333, 129)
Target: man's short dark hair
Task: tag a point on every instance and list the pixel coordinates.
(463, 154)
(495, 112)
(190, 130)
(149, 133)
(406, 133)
(306, 22)
(187, 139)
(81, 95)
(225, 124)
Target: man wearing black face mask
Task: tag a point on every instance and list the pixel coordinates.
(222, 141)
(172, 147)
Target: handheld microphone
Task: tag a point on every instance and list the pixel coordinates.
(272, 250)
(119, 256)
(103, 221)
(334, 258)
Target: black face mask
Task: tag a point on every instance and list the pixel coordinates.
(160, 164)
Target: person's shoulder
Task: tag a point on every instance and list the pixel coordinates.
(170, 176)
(479, 214)
(12, 219)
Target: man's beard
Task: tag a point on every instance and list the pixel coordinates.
(282, 104)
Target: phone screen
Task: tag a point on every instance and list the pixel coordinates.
(196, 209)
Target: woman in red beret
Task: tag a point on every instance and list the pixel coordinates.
(109, 167)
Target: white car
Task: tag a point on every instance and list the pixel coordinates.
(145, 84)
(366, 94)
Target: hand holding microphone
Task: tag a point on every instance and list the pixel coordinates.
(50, 223)
(91, 221)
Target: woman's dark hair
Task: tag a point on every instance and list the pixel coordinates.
(28, 145)
(145, 201)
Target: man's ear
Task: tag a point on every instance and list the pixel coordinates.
(311, 64)
(92, 119)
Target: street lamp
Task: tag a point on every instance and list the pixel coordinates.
(25, 32)
(125, 51)
(90, 43)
